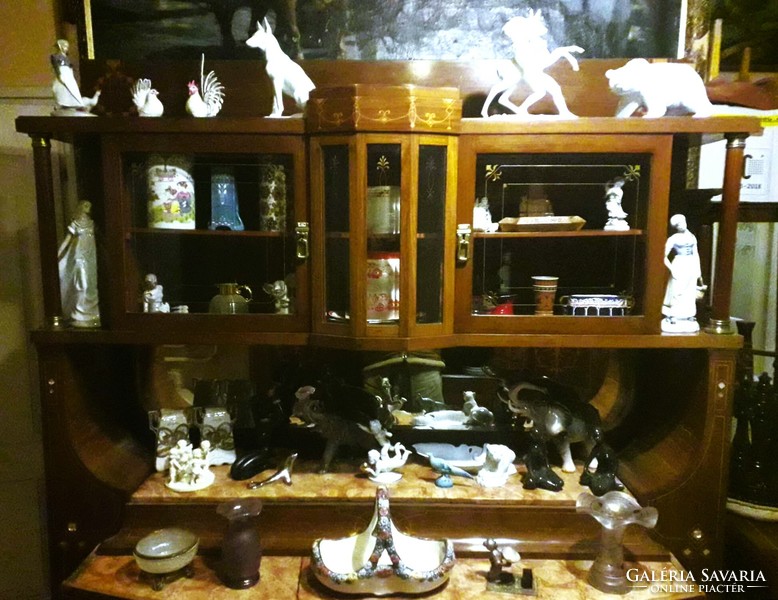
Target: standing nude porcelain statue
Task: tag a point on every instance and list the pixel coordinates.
(683, 261)
(78, 270)
(531, 58)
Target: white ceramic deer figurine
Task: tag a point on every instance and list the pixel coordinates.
(287, 76)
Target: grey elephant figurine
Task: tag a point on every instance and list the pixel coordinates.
(556, 415)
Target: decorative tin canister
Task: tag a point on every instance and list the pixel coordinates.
(171, 192)
(383, 287)
(383, 209)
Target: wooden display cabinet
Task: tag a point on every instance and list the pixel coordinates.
(668, 397)
(267, 166)
(383, 188)
(534, 177)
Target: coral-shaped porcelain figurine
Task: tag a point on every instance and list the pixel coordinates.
(189, 467)
(381, 465)
(279, 291)
(658, 88)
(683, 261)
(153, 296)
(286, 75)
(531, 58)
(617, 218)
(78, 270)
(208, 99)
(68, 98)
(146, 99)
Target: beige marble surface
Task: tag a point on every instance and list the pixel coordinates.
(288, 578)
(345, 484)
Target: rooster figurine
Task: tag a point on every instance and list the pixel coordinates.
(210, 103)
(146, 99)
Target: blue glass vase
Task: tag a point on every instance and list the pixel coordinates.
(224, 202)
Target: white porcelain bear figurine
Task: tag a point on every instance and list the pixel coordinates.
(658, 87)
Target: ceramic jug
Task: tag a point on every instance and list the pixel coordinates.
(230, 300)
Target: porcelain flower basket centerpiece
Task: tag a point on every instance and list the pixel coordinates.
(382, 560)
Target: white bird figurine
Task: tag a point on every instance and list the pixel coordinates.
(146, 99)
(210, 102)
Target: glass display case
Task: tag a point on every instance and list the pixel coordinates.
(573, 237)
(209, 229)
(383, 214)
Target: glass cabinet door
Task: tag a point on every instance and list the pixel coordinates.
(383, 219)
(565, 241)
(212, 231)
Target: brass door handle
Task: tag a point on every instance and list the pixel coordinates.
(464, 233)
(302, 243)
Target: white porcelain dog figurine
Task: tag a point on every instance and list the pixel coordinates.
(658, 87)
(287, 76)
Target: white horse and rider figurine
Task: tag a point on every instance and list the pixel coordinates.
(531, 58)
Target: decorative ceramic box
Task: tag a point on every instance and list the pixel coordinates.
(367, 107)
(598, 305)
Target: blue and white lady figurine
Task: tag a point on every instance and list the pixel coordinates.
(683, 261)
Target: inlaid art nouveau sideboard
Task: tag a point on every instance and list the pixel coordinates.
(665, 398)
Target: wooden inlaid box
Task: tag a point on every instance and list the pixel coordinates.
(370, 107)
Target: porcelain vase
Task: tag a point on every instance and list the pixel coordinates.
(241, 546)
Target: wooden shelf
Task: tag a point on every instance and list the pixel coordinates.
(150, 336)
(207, 232)
(547, 234)
(612, 125)
(289, 578)
(334, 503)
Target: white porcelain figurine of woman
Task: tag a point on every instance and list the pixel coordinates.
(617, 218)
(683, 261)
(68, 98)
(78, 270)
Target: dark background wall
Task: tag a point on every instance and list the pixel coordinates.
(384, 29)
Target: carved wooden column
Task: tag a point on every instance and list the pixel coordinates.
(725, 249)
(47, 228)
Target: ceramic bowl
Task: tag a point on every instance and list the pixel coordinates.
(469, 458)
(166, 550)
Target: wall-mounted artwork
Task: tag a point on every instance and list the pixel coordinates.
(374, 29)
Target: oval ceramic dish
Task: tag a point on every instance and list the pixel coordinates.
(166, 550)
(469, 458)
